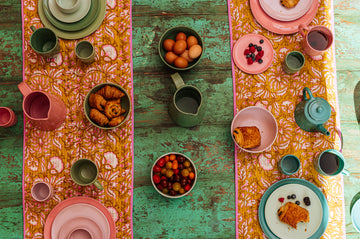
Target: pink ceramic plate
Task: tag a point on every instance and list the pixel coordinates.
(240, 59)
(277, 11)
(281, 27)
(83, 223)
(83, 205)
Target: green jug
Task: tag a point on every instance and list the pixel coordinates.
(311, 113)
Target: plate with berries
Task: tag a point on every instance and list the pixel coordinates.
(305, 195)
(253, 53)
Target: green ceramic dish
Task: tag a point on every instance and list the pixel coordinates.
(76, 34)
(125, 104)
(75, 26)
(171, 34)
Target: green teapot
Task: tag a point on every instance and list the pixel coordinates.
(311, 113)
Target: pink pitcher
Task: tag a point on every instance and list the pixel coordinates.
(45, 111)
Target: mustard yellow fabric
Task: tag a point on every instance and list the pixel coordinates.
(280, 93)
(49, 155)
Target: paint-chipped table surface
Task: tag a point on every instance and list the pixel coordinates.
(150, 79)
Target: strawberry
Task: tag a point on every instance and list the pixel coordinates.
(247, 51)
(252, 49)
(250, 61)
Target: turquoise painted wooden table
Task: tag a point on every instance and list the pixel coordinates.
(210, 211)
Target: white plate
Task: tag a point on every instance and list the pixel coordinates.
(277, 11)
(304, 230)
(79, 210)
(70, 17)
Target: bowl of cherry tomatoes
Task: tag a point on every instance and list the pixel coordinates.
(173, 175)
(180, 48)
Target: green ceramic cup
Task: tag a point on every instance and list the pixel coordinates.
(289, 164)
(85, 51)
(294, 61)
(85, 172)
(330, 163)
(44, 41)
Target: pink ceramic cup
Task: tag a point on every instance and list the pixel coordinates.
(7, 117)
(41, 191)
(317, 39)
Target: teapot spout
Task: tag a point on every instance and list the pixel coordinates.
(320, 128)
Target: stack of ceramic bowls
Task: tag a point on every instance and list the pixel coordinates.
(72, 19)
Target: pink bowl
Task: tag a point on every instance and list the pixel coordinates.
(263, 120)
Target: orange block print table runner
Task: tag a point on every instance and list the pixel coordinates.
(48, 155)
(280, 93)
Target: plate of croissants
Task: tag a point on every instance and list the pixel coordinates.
(107, 105)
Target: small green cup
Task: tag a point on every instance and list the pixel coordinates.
(85, 51)
(289, 164)
(44, 41)
(85, 172)
(294, 61)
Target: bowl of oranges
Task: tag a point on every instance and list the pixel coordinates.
(180, 48)
(173, 175)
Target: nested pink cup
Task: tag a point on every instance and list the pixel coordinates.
(317, 39)
(42, 191)
(7, 117)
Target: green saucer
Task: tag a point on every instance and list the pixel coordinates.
(75, 26)
(75, 34)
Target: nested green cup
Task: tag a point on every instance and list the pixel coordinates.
(85, 172)
(44, 41)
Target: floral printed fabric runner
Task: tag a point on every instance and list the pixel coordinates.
(280, 93)
(48, 155)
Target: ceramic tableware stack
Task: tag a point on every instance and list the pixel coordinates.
(72, 19)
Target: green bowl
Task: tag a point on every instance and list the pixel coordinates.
(125, 104)
(171, 34)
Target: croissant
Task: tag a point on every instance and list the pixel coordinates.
(110, 92)
(97, 101)
(113, 109)
(98, 117)
(115, 121)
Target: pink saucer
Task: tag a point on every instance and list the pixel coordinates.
(277, 11)
(240, 59)
(281, 27)
(80, 223)
(79, 207)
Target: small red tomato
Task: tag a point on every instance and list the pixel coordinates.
(187, 187)
(156, 169)
(161, 162)
(156, 179)
(176, 171)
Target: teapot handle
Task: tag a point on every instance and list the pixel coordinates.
(307, 90)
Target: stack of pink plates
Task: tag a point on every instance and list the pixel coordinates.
(79, 213)
(273, 16)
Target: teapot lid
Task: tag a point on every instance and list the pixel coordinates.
(318, 110)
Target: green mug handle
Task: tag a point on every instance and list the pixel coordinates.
(98, 185)
(345, 172)
(33, 28)
(178, 81)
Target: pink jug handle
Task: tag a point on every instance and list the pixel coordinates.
(24, 88)
(302, 27)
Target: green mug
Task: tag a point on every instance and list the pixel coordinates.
(85, 172)
(186, 108)
(330, 163)
(44, 41)
(294, 61)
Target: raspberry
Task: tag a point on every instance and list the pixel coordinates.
(261, 53)
(257, 57)
(247, 51)
(252, 49)
(281, 199)
(250, 61)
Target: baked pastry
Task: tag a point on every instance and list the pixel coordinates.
(98, 117)
(289, 3)
(247, 137)
(97, 101)
(110, 92)
(115, 121)
(113, 109)
(291, 214)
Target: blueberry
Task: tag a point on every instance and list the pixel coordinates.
(261, 41)
(259, 48)
(250, 45)
(260, 61)
(297, 203)
(255, 46)
(252, 55)
(307, 201)
(248, 55)
(253, 58)
(293, 196)
(288, 197)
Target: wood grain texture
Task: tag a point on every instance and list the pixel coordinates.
(211, 206)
